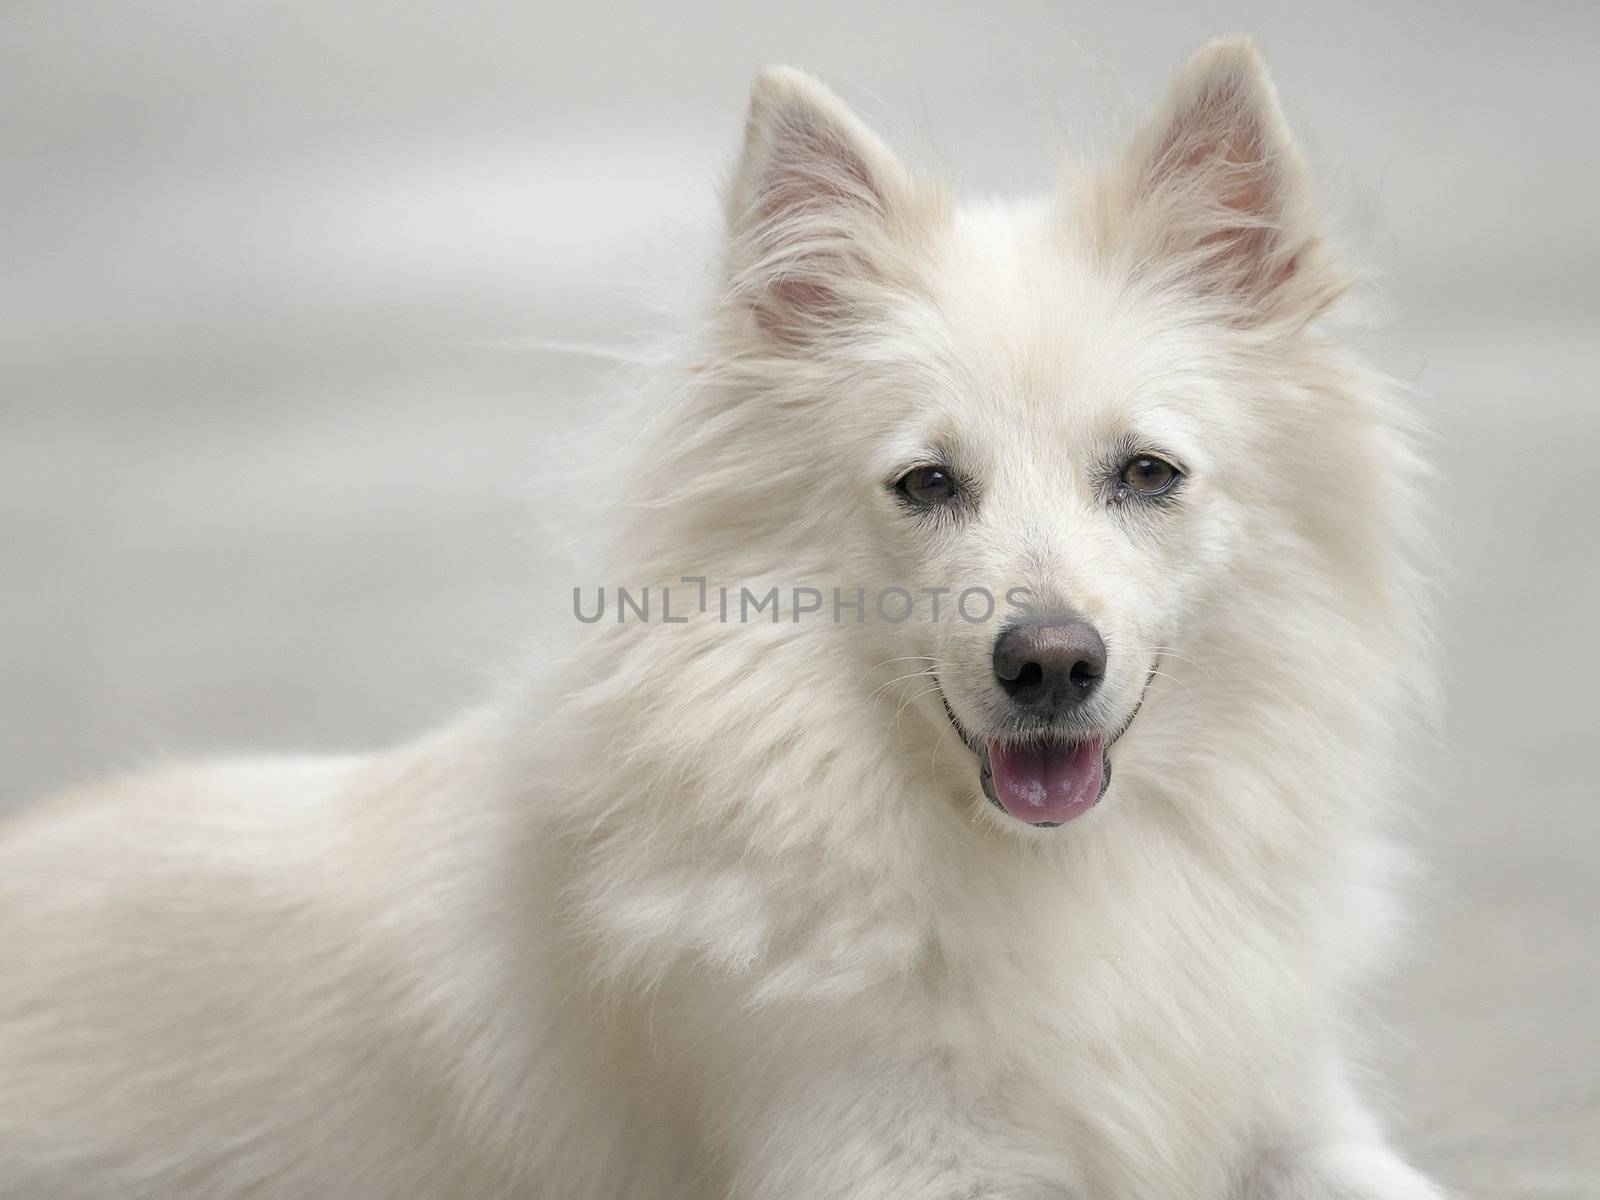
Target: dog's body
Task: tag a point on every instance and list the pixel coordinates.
(727, 909)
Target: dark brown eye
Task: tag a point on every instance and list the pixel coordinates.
(927, 487)
(1149, 476)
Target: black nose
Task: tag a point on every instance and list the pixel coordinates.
(1048, 666)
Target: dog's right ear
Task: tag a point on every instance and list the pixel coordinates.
(817, 209)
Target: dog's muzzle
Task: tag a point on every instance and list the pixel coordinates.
(1030, 769)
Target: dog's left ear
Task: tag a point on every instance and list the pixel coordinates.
(819, 212)
(1213, 191)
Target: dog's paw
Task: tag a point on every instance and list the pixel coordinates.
(1356, 1172)
(1021, 1189)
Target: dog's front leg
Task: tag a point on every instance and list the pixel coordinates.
(1335, 1152)
(1340, 1170)
(881, 1131)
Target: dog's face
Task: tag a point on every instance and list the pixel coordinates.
(1041, 417)
(1056, 445)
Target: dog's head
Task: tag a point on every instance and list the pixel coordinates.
(1057, 420)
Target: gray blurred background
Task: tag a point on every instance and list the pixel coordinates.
(271, 414)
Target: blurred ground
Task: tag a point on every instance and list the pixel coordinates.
(264, 452)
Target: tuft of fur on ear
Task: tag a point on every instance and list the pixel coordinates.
(1214, 189)
(819, 209)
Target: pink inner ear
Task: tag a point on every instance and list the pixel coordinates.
(784, 310)
(816, 189)
(813, 168)
(1216, 152)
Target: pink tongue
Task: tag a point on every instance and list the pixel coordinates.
(1047, 783)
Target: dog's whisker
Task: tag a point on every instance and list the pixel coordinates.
(1168, 675)
(894, 723)
(925, 673)
(1210, 672)
(904, 683)
(888, 661)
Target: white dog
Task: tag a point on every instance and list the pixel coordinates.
(807, 895)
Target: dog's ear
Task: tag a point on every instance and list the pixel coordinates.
(818, 211)
(1213, 189)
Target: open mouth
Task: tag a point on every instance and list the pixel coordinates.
(1044, 781)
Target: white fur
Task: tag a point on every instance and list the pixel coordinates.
(719, 910)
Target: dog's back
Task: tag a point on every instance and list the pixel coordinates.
(182, 997)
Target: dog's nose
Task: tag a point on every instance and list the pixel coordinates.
(1049, 666)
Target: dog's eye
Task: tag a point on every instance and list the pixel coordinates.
(1149, 476)
(928, 486)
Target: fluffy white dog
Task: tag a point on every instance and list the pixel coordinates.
(810, 894)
